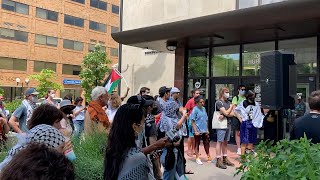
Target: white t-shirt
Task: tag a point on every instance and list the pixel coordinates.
(111, 113)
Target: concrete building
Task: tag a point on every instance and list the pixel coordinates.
(38, 34)
(217, 43)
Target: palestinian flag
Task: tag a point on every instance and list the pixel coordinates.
(112, 81)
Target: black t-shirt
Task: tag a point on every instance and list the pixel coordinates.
(308, 124)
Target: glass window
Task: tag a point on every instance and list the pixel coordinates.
(114, 29)
(71, 69)
(225, 61)
(39, 65)
(251, 57)
(198, 63)
(203, 86)
(97, 26)
(98, 4)
(14, 35)
(91, 48)
(75, 21)
(115, 9)
(74, 45)
(79, 1)
(114, 52)
(305, 53)
(46, 40)
(13, 64)
(47, 14)
(247, 3)
(15, 7)
(270, 1)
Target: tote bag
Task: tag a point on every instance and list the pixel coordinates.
(216, 122)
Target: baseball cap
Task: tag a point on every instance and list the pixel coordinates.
(174, 90)
(164, 89)
(139, 100)
(31, 91)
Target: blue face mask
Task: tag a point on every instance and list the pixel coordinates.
(242, 92)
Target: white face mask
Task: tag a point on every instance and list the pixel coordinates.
(53, 95)
(226, 95)
(242, 92)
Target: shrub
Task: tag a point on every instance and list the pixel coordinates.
(90, 156)
(11, 106)
(297, 159)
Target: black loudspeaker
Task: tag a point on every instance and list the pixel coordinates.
(278, 80)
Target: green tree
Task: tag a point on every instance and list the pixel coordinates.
(197, 66)
(94, 69)
(46, 79)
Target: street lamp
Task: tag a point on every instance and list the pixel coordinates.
(18, 80)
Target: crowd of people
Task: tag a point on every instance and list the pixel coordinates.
(145, 133)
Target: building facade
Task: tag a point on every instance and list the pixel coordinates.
(219, 43)
(39, 34)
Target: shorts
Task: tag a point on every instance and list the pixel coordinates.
(248, 135)
(190, 129)
(235, 124)
(224, 134)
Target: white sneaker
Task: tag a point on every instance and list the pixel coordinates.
(239, 151)
(199, 161)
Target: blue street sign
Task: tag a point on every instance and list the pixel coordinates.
(71, 81)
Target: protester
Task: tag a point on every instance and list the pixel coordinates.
(95, 119)
(78, 113)
(68, 97)
(309, 124)
(189, 106)
(38, 161)
(223, 135)
(144, 91)
(49, 98)
(172, 124)
(4, 129)
(300, 107)
(46, 114)
(113, 105)
(164, 95)
(199, 121)
(2, 107)
(24, 112)
(124, 158)
(250, 115)
(67, 126)
(235, 121)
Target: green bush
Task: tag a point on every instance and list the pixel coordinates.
(11, 106)
(90, 153)
(297, 159)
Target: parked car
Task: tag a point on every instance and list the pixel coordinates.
(57, 100)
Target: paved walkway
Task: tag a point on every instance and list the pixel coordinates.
(208, 171)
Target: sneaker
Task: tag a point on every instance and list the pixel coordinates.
(199, 161)
(239, 151)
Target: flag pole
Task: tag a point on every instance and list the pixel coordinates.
(124, 80)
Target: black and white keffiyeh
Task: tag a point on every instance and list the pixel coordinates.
(42, 133)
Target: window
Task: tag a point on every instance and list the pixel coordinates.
(46, 40)
(13, 35)
(270, 1)
(115, 9)
(13, 64)
(47, 14)
(75, 21)
(97, 26)
(225, 61)
(39, 65)
(251, 3)
(114, 29)
(71, 69)
(74, 45)
(114, 52)
(198, 63)
(98, 4)
(251, 57)
(305, 53)
(15, 7)
(91, 48)
(79, 1)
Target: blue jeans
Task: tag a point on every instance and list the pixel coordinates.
(178, 165)
(78, 127)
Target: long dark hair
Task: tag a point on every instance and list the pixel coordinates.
(45, 114)
(121, 138)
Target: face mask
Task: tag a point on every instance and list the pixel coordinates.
(226, 95)
(34, 99)
(140, 138)
(53, 95)
(242, 92)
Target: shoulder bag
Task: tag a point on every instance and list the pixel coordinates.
(216, 122)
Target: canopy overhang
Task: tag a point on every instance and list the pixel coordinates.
(287, 19)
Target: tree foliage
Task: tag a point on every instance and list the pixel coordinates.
(94, 69)
(47, 80)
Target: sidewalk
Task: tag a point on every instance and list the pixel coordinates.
(209, 171)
